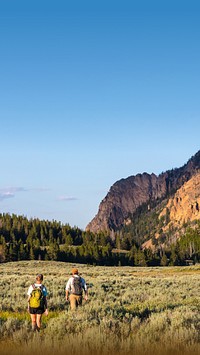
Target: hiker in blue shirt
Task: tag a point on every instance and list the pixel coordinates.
(37, 302)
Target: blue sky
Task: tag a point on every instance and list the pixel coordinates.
(92, 92)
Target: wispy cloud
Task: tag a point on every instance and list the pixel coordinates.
(5, 195)
(67, 198)
(39, 189)
(9, 192)
(11, 189)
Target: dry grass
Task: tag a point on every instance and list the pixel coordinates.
(129, 311)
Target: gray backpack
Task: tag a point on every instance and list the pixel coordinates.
(77, 286)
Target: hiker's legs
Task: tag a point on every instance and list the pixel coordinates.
(75, 301)
(38, 321)
(72, 299)
(79, 300)
(33, 320)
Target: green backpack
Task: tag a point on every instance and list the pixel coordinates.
(37, 298)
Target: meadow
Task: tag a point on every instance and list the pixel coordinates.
(130, 310)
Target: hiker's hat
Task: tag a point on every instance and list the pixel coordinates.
(74, 271)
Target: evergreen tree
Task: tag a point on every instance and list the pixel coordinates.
(164, 260)
(53, 250)
(31, 254)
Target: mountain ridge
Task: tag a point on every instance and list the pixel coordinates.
(128, 194)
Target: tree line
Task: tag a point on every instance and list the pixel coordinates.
(33, 239)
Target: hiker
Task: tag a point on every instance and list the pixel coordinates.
(74, 290)
(37, 302)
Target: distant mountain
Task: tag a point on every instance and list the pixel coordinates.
(177, 213)
(126, 196)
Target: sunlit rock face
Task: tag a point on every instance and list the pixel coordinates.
(126, 195)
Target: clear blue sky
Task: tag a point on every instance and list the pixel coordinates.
(92, 92)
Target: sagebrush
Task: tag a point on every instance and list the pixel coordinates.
(129, 310)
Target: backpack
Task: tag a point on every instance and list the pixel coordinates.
(77, 286)
(37, 298)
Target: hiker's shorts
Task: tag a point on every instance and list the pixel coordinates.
(75, 301)
(36, 310)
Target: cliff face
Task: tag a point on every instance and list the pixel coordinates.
(185, 204)
(126, 195)
(182, 208)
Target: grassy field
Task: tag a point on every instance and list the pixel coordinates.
(129, 310)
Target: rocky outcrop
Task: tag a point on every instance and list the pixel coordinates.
(126, 195)
(180, 210)
(184, 207)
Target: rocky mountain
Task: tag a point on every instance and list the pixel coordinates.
(180, 210)
(127, 195)
(184, 206)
